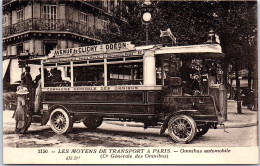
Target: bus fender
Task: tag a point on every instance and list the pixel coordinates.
(46, 113)
(165, 123)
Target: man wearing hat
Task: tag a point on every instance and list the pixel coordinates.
(26, 80)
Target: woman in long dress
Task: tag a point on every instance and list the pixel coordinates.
(23, 116)
(37, 101)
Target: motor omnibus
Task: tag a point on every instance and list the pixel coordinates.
(119, 81)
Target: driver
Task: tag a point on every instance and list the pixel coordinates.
(185, 72)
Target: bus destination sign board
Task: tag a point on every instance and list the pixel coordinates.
(94, 49)
(98, 56)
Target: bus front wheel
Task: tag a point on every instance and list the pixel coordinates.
(93, 122)
(182, 128)
(60, 121)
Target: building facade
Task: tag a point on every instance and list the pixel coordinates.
(37, 27)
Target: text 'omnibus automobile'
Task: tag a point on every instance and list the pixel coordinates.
(122, 82)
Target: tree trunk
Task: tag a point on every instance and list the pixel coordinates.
(255, 82)
(225, 82)
(249, 76)
(238, 89)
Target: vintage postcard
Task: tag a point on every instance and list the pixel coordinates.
(129, 82)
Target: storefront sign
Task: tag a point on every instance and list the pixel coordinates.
(99, 56)
(94, 49)
(50, 41)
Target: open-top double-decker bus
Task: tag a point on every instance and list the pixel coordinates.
(119, 81)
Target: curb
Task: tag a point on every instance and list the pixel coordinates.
(237, 125)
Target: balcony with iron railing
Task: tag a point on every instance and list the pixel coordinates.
(36, 24)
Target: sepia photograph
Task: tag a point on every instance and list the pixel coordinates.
(129, 82)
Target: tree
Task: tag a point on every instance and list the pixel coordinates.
(190, 22)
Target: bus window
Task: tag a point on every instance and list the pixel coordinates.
(125, 74)
(57, 77)
(89, 75)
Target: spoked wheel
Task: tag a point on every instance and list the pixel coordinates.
(202, 130)
(182, 128)
(60, 121)
(93, 122)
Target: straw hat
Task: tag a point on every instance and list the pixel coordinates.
(21, 90)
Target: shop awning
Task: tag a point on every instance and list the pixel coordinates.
(15, 72)
(6, 63)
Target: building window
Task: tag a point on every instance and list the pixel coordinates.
(106, 5)
(105, 23)
(20, 15)
(50, 16)
(4, 22)
(50, 12)
(112, 5)
(83, 18)
(19, 48)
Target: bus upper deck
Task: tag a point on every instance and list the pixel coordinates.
(108, 66)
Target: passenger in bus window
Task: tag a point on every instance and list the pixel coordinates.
(55, 75)
(186, 72)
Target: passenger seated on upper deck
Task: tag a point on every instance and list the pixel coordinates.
(189, 84)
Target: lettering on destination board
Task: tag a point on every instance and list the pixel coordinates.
(58, 89)
(100, 56)
(104, 48)
(126, 88)
(92, 88)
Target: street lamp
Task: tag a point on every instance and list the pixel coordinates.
(146, 10)
(147, 16)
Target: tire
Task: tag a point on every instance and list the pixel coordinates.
(60, 121)
(202, 130)
(93, 122)
(182, 128)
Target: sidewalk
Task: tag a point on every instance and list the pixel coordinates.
(234, 120)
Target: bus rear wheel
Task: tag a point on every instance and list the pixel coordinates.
(60, 121)
(182, 128)
(93, 122)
